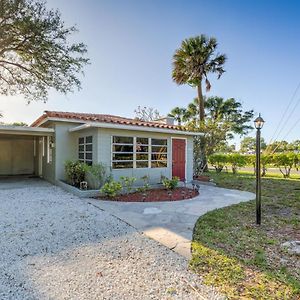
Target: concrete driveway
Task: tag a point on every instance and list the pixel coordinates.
(172, 223)
(19, 182)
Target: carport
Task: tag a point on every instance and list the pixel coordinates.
(22, 149)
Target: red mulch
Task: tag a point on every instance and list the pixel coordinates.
(156, 195)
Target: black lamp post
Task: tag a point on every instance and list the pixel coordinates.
(259, 123)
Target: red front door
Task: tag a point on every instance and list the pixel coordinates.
(178, 158)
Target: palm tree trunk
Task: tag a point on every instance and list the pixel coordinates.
(202, 165)
(201, 103)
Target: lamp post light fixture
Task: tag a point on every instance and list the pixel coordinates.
(258, 123)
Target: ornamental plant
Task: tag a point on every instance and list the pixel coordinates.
(128, 182)
(170, 184)
(96, 175)
(75, 172)
(111, 189)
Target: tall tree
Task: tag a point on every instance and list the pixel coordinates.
(248, 144)
(294, 146)
(223, 120)
(192, 63)
(35, 52)
(179, 114)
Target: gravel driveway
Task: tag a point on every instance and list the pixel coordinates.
(55, 246)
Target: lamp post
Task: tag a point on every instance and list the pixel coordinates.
(259, 123)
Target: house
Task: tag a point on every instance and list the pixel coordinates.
(128, 147)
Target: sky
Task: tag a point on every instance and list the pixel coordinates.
(131, 44)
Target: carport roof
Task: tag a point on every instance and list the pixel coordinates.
(31, 131)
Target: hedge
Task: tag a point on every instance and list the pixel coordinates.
(285, 162)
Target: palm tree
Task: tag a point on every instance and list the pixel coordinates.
(192, 63)
(179, 114)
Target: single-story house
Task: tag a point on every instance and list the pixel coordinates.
(128, 147)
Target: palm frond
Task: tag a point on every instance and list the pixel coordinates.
(195, 58)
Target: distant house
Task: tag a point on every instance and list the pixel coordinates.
(128, 147)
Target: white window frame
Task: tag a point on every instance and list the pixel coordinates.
(84, 152)
(134, 161)
(116, 152)
(166, 153)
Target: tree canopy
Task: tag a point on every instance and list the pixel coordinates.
(196, 58)
(35, 52)
(224, 118)
(146, 113)
(248, 144)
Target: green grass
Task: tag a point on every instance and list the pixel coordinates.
(243, 260)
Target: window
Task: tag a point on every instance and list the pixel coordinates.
(139, 152)
(122, 152)
(142, 152)
(85, 149)
(159, 153)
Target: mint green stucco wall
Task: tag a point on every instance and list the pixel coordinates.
(66, 148)
(104, 154)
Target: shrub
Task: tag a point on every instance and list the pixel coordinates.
(285, 162)
(265, 161)
(111, 189)
(236, 161)
(75, 172)
(146, 185)
(128, 182)
(96, 175)
(170, 184)
(218, 161)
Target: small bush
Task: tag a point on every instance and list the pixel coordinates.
(218, 161)
(96, 175)
(170, 184)
(146, 186)
(75, 172)
(128, 182)
(111, 189)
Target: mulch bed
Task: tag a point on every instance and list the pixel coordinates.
(157, 195)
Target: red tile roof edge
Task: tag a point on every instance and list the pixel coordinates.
(102, 118)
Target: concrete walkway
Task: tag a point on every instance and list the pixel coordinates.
(172, 223)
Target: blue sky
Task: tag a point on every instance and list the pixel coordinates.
(131, 44)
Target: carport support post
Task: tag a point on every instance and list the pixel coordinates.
(258, 179)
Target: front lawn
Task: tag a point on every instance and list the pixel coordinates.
(245, 261)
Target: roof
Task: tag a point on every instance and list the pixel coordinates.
(108, 121)
(85, 117)
(20, 130)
